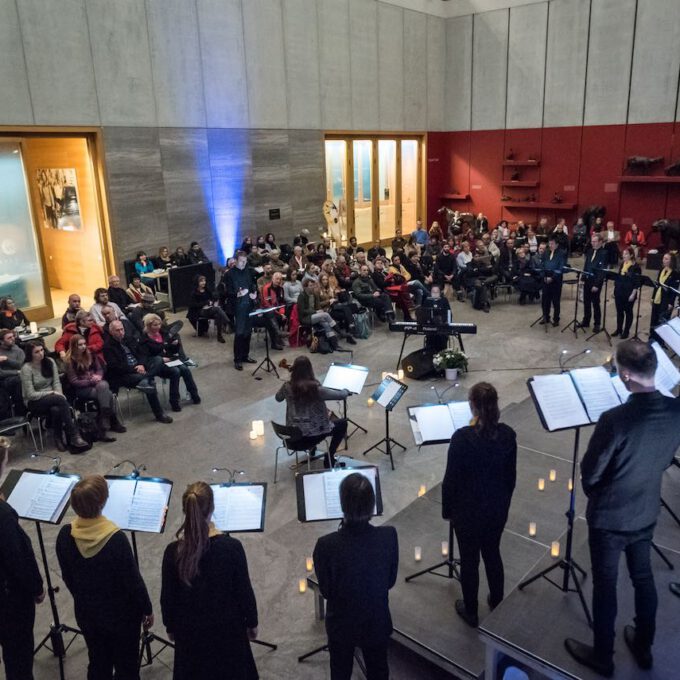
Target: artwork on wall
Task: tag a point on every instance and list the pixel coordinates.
(58, 191)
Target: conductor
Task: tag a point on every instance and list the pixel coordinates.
(621, 476)
(356, 566)
(241, 291)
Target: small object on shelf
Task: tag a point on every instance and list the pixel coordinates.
(557, 198)
(672, 170)
(510, 155)
(642, 162)
(505, 197)
(532, 159)
(514, 177)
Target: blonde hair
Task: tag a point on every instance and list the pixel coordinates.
(193, 536)
(149, 319)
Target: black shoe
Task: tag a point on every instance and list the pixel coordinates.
(643, 655)
(195, 398)
(616, 334)
(556, 323)
(674, 588)
(585, 655)
(488, 601)
(59, 443)
(584, 324)
(146, 386)
(238, 365)
(250, 360)
(103, 437)
(176, 406)
(596, 329)
(350, 340)
(624, 336)
(118, 427)
(163, 418)
(277, 346)
(543, 322)
(220, 338)
(470, 619)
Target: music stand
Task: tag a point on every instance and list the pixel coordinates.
(266, 364)
(603, 326)
(388, 394)
(43, 497)
(349, 377)
(641, 281)
(574, 324)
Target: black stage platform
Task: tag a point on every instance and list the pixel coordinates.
(540, 617)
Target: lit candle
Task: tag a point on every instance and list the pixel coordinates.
(370, 401)
(258, 426)
(541, 484)
(418, 553)
(34, 327)
(309, 564)
(570, 485)
(302, 585)
(532, 528)
(445, 548)
(422, 490)
(555, 549)
(253, 434)
(553, 475)
(384, 374)
(400, 374)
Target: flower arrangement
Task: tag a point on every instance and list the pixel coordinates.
(450, 358)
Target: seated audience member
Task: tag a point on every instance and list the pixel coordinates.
(343, 273)
(352, 246)
(579, 239)
(376, 250)
(415, 287)
(125, 368)
(561, 236)
(367, 293)
(109, 596)
(71, 310)
(272, 322)
(310, 312)
(196, 254)
(481, 225)
(398, 292)
(532, 241)
(636, 240)
(306, 409)
(360, 260)
(398, 244)
(11, 360)
(101, 298)
(207, 601)
(247, 245)
(435, 232)
(611, 243)
(529, 281)
(10, 315)
(508, 266)
(419, 235)
(43, 396)
(342, 312)
(143, 265)
(129, 324)
(463, 259)
(356, 567)
(417, 271)
(117, 293)
(157, 342)
(179, 258)
(492, 246)
(163, 260)
(147, 305)
(328, 268)
(203, 305)
(85, 375)
(22, 587)
(137, 289)
(270, 243)
(292, 288)
(476, 494)
(83, 325)
(311, 273)
(480, 276)
(266, 277)
(260, 245)
(297, 260)
(273, 296)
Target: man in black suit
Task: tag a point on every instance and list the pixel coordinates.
(621, 473)
(594, 265)
(125, 368)
(356, 567)
(553, 261)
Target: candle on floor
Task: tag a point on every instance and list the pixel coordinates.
(532, 528)
(418, 553)
(555, 549)
(400, 374)
(553, 475)
(370, 401)
(570, 485)
(445, 548)
(309, 564)
(302, 585)
(258, 426)
(541, 484)
(384, 374)
(422, 490)
(253, 434)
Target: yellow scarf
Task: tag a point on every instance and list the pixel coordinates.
(91, 535)
(626, 266)
(663, 275)
(213, 530)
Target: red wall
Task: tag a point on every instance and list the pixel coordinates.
(582, 164)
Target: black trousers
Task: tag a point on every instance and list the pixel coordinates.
(131, 381)
(605, 550)
(471, 544)
(337, 434)
(110, 651)
(624, 314)
(241, 347)
(552, 296)
(591, 303)
(342, 659)
(17, 616)
(56, 407)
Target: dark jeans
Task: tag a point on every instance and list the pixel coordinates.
(380, 303)
(552, 295)
(217, 313)
(173, 375)
(241, 347)
(342, 660)
(131, 381)
(624, 314)
(109, 651)
(99, 393)
(591, 301)
(12, 387)
(487, 543)
(337, 434)
(17, 616)
(56, 407)
(605, 550)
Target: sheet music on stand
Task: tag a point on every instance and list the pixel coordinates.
(674, 323)
(436, 423)
(239, 506)
(318, 492)
(670, 335)
(389, 392)
(39, 495)
(667, 375)
(346, 377)
(138, 503)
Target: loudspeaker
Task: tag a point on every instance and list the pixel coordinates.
(418, 364)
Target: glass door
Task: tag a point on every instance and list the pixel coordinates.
(335, 210)
(409, 185)
(363, 189)
(387, 187)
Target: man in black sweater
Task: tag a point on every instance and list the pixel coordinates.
(21, 588)
(356, 567)
(621, 473)
(594, 264)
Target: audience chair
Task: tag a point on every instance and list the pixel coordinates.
(11, 425)
(288, 435)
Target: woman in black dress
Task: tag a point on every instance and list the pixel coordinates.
(207, 601)
(203, 304)
(625, 292)
(476, 494)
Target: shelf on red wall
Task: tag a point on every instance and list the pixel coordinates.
(455, 197)
(546, 206)
(518, 183)
(519, 164)
(648, 179)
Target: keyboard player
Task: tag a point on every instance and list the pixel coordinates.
(440, 314)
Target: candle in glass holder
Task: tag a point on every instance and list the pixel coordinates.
(541, 484)
(445, 548)
(553, 475)
(34, 327)
(400, 374)
(302, 585)
(570, 485)
(258, 426)
(422, 490)
(532, 528)
(370, 401)
(309, 564)
(555, 549)
(384, 374)
(418, 553)
(253, 434)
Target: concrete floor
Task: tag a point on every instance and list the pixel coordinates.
(506, 351)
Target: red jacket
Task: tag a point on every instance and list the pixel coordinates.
(95, 340)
